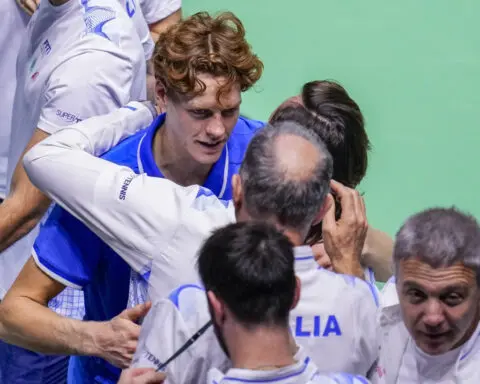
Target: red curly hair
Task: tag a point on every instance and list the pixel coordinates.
(205, 44)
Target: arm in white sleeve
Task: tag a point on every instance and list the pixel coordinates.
(132, 213)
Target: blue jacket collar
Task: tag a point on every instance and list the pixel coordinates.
(217, 180)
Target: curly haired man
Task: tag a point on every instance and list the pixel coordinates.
(202, 65)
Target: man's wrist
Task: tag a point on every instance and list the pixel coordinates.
(352, 268)
(93, 333)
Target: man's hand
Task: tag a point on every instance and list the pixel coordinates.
(141, 376)
(29, 6)
(117, 339)
(344, 239)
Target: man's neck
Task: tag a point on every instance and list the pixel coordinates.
(174, 163)
(261, 349)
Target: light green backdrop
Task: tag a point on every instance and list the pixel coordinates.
(414, 68)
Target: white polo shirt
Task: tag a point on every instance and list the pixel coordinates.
(14, 27)
(170, 324)
(402, 362)
(77, 60)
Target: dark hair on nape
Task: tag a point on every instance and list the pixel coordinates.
(440, 237)
(250, 267)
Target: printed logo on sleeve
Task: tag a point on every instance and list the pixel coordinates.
(126, 183)
(46, 48)
(67, 116)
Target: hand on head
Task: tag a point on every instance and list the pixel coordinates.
(344, 238)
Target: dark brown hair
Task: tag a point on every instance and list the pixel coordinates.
(205, 44)
(330, 112)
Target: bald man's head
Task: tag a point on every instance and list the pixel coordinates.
(296, 157)
(286, 175)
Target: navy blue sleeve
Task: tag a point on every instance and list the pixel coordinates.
(66, 249)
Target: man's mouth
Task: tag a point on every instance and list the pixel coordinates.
(211, 145)
(435, 337)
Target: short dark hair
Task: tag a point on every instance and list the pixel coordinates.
(268, 190)
(250, 266)
(440, 237)
(331, 113)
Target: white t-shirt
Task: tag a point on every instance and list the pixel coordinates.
(77, 60)
(14, 26)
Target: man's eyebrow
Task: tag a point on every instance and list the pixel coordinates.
(455, 287)
(412, 284)
(445, 290)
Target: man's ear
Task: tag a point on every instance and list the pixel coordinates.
(237, 192)
(298, 289)
(218, 309)
(160, 94)
(327, 204)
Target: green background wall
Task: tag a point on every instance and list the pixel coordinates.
(414, 68)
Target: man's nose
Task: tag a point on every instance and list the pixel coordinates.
(216, 129)
(434, 316)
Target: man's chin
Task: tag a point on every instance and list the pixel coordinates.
(435, 348)
(206, 158)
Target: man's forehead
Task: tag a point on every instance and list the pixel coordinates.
(218, 93)
(416, 272)
(215, 100)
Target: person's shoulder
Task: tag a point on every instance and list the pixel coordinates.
(190, 302)
(92, 69)
(126, 152)
(109, 21)
(241, 135)
(388, 294)
(246, 126)
(349, 286)
(185, 294)
(107, 39)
